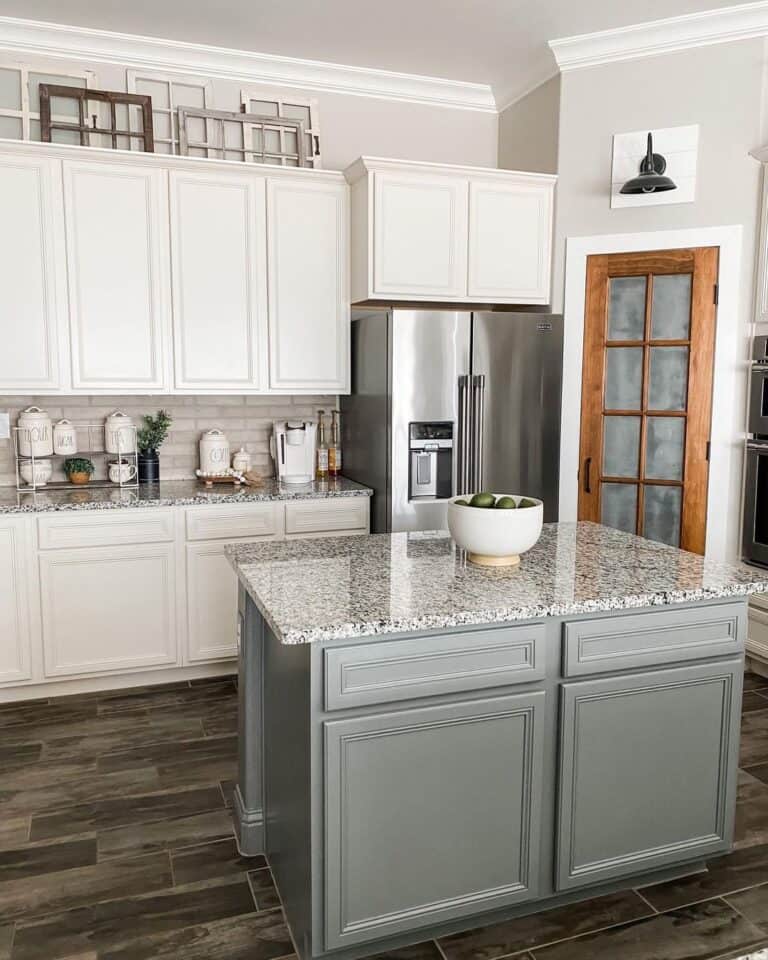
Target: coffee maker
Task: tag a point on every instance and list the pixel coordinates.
(293, 450)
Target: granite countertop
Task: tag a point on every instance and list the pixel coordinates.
(171, 493)
(328, 589)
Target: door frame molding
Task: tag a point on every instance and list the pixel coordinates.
(729, 385)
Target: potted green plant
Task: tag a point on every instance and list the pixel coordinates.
(78, 470)
(149, 439)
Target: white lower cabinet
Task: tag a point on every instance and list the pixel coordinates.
(15, 632)
(211, 602)
(91, 596)
(108, 608)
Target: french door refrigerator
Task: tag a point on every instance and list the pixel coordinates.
(445, 402)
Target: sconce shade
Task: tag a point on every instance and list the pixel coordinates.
(651, 178)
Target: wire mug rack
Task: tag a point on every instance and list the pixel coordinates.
(95, 449)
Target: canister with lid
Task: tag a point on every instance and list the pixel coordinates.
(214, 452)
(64, 438)
(36, 433)
(120, 435)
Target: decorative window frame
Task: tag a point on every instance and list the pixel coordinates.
(24, 69)
(187, 80)
(281, 97)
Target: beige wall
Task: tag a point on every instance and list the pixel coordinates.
(247, 422)
(719, 88)
(352, 125)
(528, 130)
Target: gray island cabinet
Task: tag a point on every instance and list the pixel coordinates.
(426, 746)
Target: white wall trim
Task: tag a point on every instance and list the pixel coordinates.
(37, 38)
(740, 22)
(727, 432)
(544, 75)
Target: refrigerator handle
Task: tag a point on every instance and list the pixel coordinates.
(478, 424)
(463, 463)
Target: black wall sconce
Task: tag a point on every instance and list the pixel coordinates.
(651, 178)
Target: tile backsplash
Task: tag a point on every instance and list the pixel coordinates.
(246, 420)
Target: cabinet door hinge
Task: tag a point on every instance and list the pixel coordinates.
(716, 294)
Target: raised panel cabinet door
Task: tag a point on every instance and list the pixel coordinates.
(33, 282)
(647, 771)
(430, 814)
(307, 255)
(118, 257)
(219, 269)
(108, 609)
(419, 235)
(15, 629)
(510, 240)
(211, 601)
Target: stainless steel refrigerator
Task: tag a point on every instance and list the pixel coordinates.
(445, 402)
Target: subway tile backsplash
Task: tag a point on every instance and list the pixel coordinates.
(246, 420)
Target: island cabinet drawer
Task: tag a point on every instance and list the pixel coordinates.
(369, 673)
(109, 528)
(228, 521)
(339, 515)
(608, 644)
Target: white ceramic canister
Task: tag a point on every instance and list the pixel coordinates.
(43, 471)
(214, 452)
(119, 433)
(241, 462)
(64, 438)
(36, 433)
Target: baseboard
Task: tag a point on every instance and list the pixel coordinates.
(249, 827)
(145, 678)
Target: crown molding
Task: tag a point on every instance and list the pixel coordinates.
(37, 38)
(544, 75)
(741, 22)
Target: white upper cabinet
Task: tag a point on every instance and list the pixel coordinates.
(307, 251)
(419, 235)
(33, 283)
(425, 231)
(219, 268)
(510, 239)
(15, 599)
(118, 258)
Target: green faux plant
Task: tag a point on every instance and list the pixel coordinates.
(78, 465)
(151, 436)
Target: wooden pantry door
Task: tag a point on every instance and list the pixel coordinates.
(646, 408)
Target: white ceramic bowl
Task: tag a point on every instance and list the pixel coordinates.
(495, 537)
(42, 473)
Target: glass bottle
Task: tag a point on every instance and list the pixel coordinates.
(334, 451)
(322, 447)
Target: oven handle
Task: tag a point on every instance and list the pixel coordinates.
(759, 446)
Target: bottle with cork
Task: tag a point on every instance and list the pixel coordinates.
(322, 448)
(334, 450)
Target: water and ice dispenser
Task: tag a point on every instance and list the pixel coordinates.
(431, 460)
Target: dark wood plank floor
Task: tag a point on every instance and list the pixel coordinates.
(116, 844)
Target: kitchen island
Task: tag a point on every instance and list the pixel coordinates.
(426, 746)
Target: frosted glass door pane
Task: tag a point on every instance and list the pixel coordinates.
(668, 378)
(10, 128)
(671, 307)
(662, 511)
(664, 448)
(69, 108)
(626, 308)
(621, 446)
(618, 506)
(624, 378)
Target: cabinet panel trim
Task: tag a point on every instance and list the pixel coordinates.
(340, 734)
(579, 693)
(404, 669)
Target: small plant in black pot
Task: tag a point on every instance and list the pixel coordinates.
(149, 439)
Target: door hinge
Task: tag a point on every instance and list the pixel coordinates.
(716, 294)
(709, 450)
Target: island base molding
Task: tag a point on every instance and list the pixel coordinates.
(408, 786)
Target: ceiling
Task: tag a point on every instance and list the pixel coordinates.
(502, 43)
